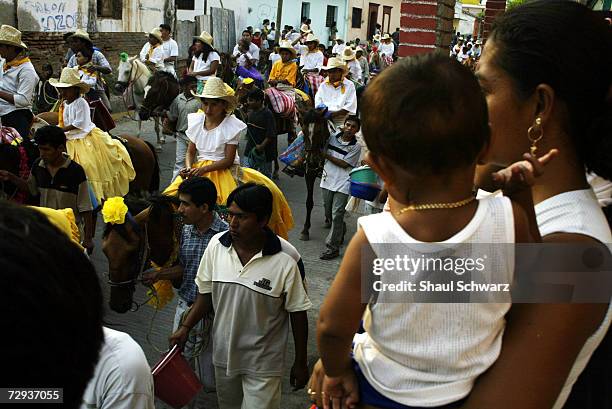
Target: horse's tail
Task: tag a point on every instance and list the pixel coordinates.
(154, 184)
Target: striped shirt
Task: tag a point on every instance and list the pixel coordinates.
(96, 59)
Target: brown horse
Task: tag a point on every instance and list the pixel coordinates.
(142, 153)
(151, 236)
(163, 90)
(316, 135)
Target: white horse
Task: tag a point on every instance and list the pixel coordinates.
(132, 80)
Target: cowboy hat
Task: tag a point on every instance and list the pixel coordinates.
(376, 37)
(82, 35)
(334, 63)
(348, 54)
(311, 38)
(286, 45)
(156, 32)
(215, 88)
(205, 37)
(385, 37)
(478, 42)
(305, 29)
(70, 78)
(11, 36)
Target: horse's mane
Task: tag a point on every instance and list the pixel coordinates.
(162, 75)
(312, 116)
(140, 64)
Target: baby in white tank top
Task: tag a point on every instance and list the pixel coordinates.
(415, 353)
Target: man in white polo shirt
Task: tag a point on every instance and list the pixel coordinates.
(253, 280)
(170, 48)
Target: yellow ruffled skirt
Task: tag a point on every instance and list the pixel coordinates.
(106, 162)
(227, 180)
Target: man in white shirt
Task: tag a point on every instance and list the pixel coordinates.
(311, 58)
(354, 69)
(387, 48)
(337, 93)
(18, 80)
(152, 52)
(338, 48)
(253, 49)
(170, 48)
(122, 379)
(272, 35)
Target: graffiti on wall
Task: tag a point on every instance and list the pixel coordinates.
(50, 15)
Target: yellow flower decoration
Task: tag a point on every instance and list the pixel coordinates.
(114, 210)
(161, 294)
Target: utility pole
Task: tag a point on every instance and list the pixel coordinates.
(279, 16)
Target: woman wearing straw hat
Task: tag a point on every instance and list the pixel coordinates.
(354, 69)
(205, 60)
(214, 134)
(152, 52)
(18, 79)
(386, 51)
(80, 41)
(106, 162)
(336, 93)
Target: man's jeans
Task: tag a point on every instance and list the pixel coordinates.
(182, 142)
(334, 204)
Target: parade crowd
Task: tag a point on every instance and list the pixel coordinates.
(503, 143)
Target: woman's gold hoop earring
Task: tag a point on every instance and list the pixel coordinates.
(534, 134)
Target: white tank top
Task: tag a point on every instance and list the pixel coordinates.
(429, 354)
(576, 212)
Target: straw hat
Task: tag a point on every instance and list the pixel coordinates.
(205, 37)
(286, 45)
(215, 88)
(311, 38)
(156, 32)
(348, 54)
(376, 37)
(385, 37)
(335, 62)
(82, 35)
(305, 29)
(70, 78)
(11, 36)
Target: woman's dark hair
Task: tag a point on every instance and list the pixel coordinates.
(51, 297)
(206, 50)
(425, 113)
(532, 45)
(201, 190)
(50, 135)
(252, 198)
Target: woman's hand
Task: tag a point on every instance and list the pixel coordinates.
(522, 175)
(341, 392)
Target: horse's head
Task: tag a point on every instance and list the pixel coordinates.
(316, 134)
(162, 89)
(124, 72)
(129, 246)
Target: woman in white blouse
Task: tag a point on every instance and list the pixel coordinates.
(205, 60)
(214, 133)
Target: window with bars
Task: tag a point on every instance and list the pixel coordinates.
(110, 9)
(356, 19)
(332, 15)
(185, 4)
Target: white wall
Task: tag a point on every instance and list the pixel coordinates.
(364, 5)
(258, 10)
(240, 8)
(51, 15)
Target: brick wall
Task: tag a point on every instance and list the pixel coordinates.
(426, 25)
(50, 47)
(493, 8)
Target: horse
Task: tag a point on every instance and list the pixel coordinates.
(133, 76)
(152, 236)
(316, 133)
(142, 154)
(163, 89)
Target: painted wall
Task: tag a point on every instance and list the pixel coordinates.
(364, 5)
(51, 15)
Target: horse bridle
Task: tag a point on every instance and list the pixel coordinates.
(144, 251)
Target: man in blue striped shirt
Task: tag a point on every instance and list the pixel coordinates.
(197, 196)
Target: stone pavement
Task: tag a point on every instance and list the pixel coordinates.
(152, 335)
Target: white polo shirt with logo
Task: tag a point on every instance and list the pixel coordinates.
(252, 303)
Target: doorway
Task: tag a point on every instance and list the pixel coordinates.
(372, 19)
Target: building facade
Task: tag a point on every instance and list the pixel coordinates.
(363, 16)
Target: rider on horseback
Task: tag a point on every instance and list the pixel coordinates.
(337, 93)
